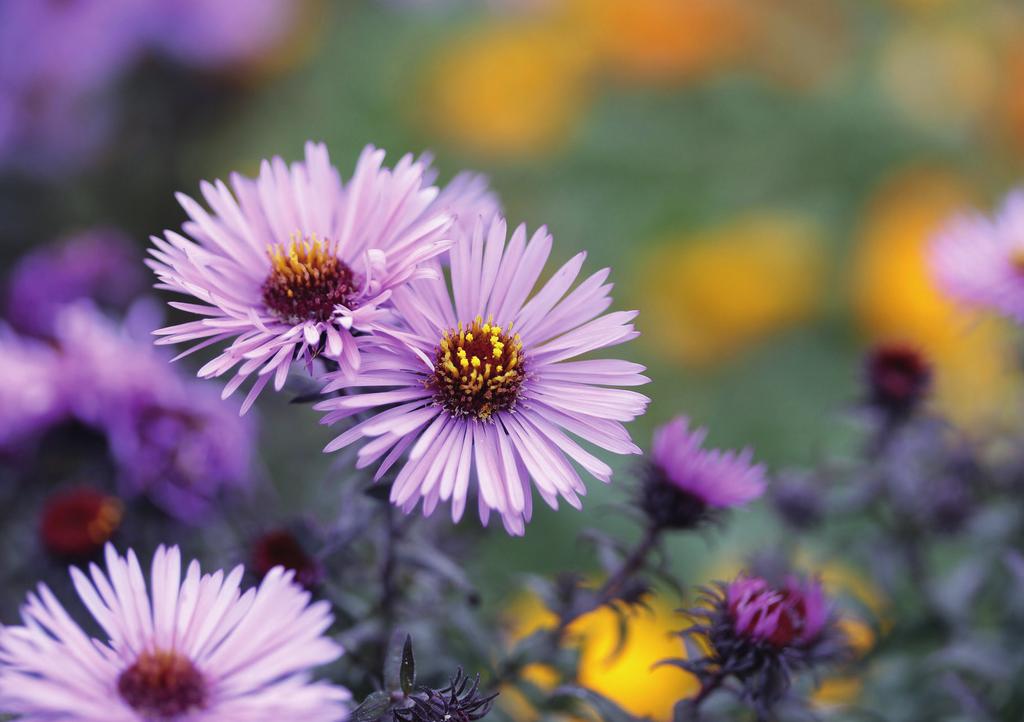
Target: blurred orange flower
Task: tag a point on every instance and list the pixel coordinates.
(662, 40)
(710, 295)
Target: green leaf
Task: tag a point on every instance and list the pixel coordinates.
(400, 667)
(372, 708)
(407, 672)
(606, 710)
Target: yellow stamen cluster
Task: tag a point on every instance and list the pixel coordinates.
(478, 369)
(306, 280)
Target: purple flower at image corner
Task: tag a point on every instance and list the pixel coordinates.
(196, 647)
(685, 483)
(226, 32)
(32, 393)
(100, 264)
(172, 438)
(484, 385)
(295, 264)
(979, 261)
(57, 59)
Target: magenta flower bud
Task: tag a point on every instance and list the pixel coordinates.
(687, 483)
(898, 377)
(791, 615)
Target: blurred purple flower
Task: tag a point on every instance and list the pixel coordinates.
(56, 59)
(194, 648)
(791, 615)
(686, 481)
(351, 246)
(467, 198)
(99, 264)
(173, 439)
(32, 397)
(61, 59)
(980, 261)
(493, 398)
(204, 33)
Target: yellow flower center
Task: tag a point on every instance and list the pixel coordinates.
(478, 370)
(306, 281)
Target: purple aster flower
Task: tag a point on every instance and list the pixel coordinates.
(56, 58)
(467, 198)
(686, 483)
(31, 391)
(980, 261)
(195, 648)
(172, 439)
(484, 383)
(203, 33)
(296, 265)
(100, 264)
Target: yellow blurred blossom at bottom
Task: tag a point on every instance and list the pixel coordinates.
(624, 675)
(841, 580)
(897, 301)
(627, 677)
(508, 89)
(708, 296)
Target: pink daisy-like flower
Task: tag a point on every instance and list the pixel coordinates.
(980, 261)
(32, 393)
(484, 384)
(294, 264)
(686, 480)
(196, 649)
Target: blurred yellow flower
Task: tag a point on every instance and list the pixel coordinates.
(839, 581)
(708, 296)
(661, 40)
(508, 89)
(896, 301)
(626, 677)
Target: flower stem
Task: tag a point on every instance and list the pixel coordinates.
(633, 563)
